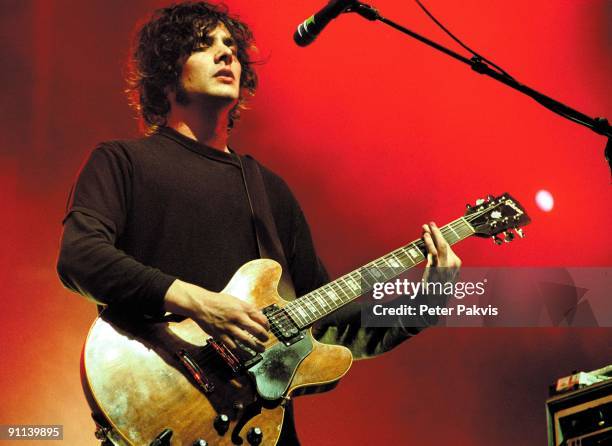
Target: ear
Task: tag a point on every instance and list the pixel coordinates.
(171, 90)
(172, 94)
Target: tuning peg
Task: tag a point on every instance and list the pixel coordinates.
(519, 232)
(497, 240)
(490, 197)
(508, 236)
(468, 206)
(479, 201)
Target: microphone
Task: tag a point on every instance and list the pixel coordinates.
(308, 30)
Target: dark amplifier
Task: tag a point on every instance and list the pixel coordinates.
(580, 411)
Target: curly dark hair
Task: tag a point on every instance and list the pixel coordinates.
(162, 45)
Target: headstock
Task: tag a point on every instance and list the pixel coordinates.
(498, 217)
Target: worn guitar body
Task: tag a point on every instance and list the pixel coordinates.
(133, 375)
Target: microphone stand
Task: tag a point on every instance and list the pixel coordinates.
(598, 125)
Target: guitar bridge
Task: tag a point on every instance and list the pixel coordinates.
(282, 325)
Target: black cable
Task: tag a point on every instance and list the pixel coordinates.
(437, 22)
(554, 107)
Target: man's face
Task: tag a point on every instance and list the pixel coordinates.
(213, 70)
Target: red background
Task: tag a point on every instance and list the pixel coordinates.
(376, 134)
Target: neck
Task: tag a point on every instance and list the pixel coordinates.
(208, 127)
(325, 300)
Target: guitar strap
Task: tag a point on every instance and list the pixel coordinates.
(268, 243)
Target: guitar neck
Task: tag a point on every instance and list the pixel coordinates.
(319, 303)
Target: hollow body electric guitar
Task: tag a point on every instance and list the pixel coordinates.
(167, 382)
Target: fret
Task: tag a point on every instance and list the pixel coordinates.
(345, 291)
(365, 271)
(323, 297)
(385, 268)
(311, 306)
(353, 285)
(388, 272)
(331, 294)
(397, 255)
(348, 288)
(375, 272)
(302, 312)
(331, 302)
(450, 226)
(392, 262)
(404, 254)
(336, 290)
(465, 224)
(320, 304)
(414, 252)
(294, 314)
(320, 299)
(334, 296)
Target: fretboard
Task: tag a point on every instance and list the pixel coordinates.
(319, 303)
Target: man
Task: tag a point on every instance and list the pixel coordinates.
(160, 224)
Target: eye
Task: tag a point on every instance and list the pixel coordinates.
(230, 43)
(203, 44)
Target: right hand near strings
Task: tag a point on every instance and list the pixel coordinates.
(223, 316)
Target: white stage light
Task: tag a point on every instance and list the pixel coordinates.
(544, 200)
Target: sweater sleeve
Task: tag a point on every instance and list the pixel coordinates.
(343, 326)
(89, 261)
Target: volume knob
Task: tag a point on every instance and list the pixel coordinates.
(221, 423)
(254, 436)
(200, 442)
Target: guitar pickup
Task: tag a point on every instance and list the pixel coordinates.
(226, 355)
(195, 371)
(282, 325)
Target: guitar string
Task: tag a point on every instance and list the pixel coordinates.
(310, 303)
(445, 230)
(206, 352)
(311, 298)
(381, 262)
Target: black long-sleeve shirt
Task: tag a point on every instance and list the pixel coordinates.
(145, 212)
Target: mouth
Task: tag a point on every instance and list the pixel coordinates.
(225, 73)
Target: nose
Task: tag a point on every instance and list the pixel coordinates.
(224, 54)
